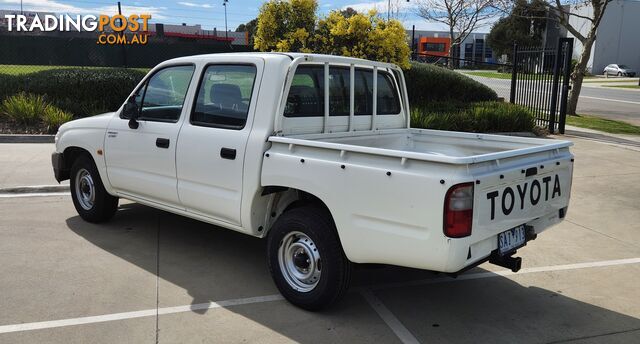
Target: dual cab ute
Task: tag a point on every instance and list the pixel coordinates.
(314, 153)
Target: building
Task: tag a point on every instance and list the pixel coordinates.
(437, 43)
(617, 36)
(196, 32)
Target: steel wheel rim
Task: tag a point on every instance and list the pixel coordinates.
(300, 262)
(85, 189)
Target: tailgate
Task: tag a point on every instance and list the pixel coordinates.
(519, 195)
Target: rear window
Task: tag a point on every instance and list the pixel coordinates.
(306, 96)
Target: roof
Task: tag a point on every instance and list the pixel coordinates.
(292, 56)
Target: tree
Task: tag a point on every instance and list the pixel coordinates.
(363, 36)
(524, 26)
(460, 16)
(582, 25)
(292, 26)
(348, 12)
(285, 25)
(561, 11)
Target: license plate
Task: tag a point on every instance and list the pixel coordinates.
(511, 239)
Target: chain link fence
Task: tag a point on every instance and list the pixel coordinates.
(22, 53)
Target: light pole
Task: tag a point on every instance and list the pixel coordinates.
(226, 31)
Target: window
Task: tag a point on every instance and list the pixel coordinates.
(437, 47)
(488, 53)
(468, 50)
(479, 49)
(224, 96)
(163, 94)
(306, 95)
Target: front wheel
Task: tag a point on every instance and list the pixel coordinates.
(306, 259)
(91, 200)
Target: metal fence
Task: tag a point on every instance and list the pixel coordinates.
(537, 77)
(540, 81)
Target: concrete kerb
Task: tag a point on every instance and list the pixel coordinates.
(34, 189)
(11, 138)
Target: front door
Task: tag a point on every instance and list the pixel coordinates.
(211, 147)
(141, 161)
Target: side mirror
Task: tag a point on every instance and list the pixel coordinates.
(131, 111)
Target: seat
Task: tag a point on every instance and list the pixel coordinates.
(226, 96)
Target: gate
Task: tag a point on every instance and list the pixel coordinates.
(540, 81)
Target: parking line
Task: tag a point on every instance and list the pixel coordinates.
(504, 273)
(268, 298)
(136, 314)
(394, 324)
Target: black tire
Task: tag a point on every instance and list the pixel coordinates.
(103, 205)
(619, 73)
(335, 269)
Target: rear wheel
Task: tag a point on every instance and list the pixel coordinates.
(91, 200)
(619, 73)
(306, 259)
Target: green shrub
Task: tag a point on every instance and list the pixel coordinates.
(54, 117)
(25, 109)
(482, 117)
(32, 110)
(79, 91)
(428, 83)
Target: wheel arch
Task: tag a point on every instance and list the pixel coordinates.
(72, 152)
(286, 198)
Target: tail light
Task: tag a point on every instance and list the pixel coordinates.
(458, 211)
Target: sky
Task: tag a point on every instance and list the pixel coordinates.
(209, 14)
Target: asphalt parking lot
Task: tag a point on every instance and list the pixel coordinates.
(149, 276)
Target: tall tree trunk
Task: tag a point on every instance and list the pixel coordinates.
(577, 76)
(450, 64)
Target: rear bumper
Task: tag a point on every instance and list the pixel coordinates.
(60, 170)
(465, 255)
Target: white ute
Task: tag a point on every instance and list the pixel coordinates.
(316, 154)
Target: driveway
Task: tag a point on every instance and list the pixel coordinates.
(152, 277)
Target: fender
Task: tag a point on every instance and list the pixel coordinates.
(87, 134)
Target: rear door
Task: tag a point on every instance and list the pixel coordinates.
(211, 147)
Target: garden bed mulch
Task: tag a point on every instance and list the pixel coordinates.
(8, 126)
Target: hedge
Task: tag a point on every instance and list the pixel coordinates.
(482, 117)
(88, 91)
(80, 91)
(429, 83)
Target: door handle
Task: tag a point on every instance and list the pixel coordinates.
(162, 143)
(228, 153)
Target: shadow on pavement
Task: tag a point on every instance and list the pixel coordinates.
(213, 264)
